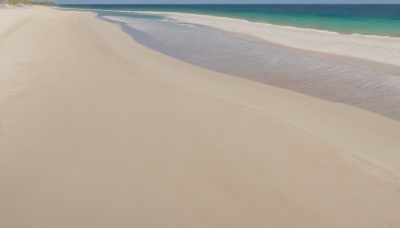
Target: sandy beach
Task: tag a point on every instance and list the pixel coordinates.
(99, 131)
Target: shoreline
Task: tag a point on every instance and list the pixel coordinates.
(253, 22)
(108, 139)
(234, 18)
(369, 89)
(306, 38)
(367, 64)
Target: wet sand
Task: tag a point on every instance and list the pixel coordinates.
(373, 86)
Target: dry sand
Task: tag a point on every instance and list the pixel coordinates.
(98, 131)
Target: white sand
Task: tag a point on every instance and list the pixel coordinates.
(372, 48)
(107, 133)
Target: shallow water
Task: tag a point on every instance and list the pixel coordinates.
(212, 49)
(368, 19)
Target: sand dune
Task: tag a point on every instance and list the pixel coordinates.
(102, 132)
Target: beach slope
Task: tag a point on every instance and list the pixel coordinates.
(98, 131)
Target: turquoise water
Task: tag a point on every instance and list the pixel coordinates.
(383, 20)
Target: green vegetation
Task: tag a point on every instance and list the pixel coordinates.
(29, 2)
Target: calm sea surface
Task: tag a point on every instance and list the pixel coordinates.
(363, 19)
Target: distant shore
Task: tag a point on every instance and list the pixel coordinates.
(100, 131)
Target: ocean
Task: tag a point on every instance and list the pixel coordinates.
(383, 20)
(341, 82)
